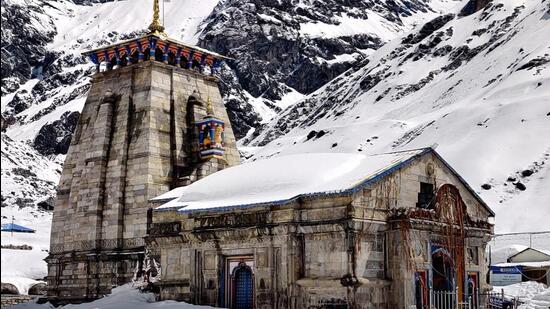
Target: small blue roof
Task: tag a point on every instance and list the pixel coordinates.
(12, 227)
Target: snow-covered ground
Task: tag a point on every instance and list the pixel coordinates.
(123, 297)
(27, 178)
(531, 294)
(24, 268)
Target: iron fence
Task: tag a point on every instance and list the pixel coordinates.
(486, 300)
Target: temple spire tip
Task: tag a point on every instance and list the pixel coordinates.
(156, 27)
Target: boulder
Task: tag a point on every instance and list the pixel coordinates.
(520, 186)
(38, 289)
(486, 186)
(8, 288)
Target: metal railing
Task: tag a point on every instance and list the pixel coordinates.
(497, 300)
(445, 300)
(486, 300)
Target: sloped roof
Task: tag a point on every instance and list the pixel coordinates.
(545, 252)
(12, 227)
(280, 180)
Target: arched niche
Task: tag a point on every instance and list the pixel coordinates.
(112, 63)
(134, 57)
(196, 65)
(183, 62)
(123, 60)
(171, 58)
(159, 55)
(147, 53)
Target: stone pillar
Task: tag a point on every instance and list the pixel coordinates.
(190, 61)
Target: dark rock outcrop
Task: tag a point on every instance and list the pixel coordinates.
(23, 45)
(47, 204)
(55, 138)
(520, 186)
(428, 28)
(473, 6)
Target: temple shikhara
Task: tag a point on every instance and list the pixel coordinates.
(153, 192)
(153, 120)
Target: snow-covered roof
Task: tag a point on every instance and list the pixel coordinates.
(501, 255)
(525, 264)
(545, 252)
(280, 180)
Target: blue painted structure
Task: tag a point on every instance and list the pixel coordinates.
(12, 227)
(244, 287)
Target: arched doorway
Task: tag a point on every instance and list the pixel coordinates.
(443, 271)
(243, 287)
(237, 283)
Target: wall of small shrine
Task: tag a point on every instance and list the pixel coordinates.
(325, 250)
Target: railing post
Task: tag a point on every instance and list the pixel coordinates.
(456, 297)
(502, 296)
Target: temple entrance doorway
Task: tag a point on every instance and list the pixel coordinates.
(239, 282)
(443, 275)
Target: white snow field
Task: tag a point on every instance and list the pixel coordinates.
(123, 297)
(532, 295)
(35, 177)
(24, 268)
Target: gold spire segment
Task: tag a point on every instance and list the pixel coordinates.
(156, 27)
(209, 108)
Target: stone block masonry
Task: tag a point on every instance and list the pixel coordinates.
(135, 140)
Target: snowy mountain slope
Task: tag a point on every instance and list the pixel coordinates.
(477, 85)
(279, 45)
(26, 29)
(27, 177)
(28, 187)
(45, 79)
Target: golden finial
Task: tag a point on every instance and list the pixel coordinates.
(156, 27)
(209, 109)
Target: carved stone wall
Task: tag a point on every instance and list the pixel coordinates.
(134, 141)
(309, 254)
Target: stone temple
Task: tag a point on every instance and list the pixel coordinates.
(153, 120)
(152, 192)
